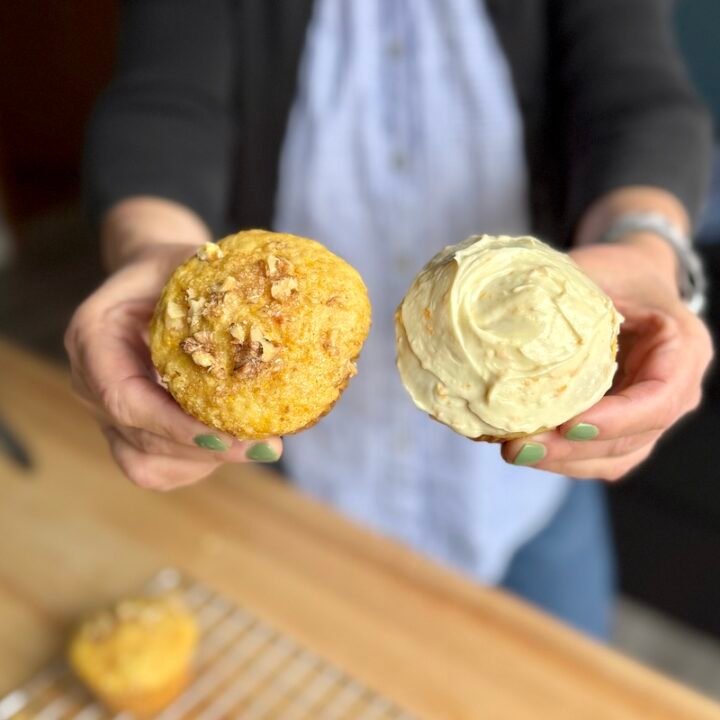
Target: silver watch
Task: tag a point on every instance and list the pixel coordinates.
(691, 275)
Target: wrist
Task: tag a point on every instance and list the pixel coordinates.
(657, 253)
(138, 225)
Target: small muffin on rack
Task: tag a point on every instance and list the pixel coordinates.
(258, 334)
(503, 337)
(136, 657)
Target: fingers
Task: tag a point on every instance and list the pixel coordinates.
(153, 440)
(561, 450)
(140, 403)
(166, 470)
(206, 447)
(663, 370)
(602, 469)
(112, 370)
(594, 468)
(156, 472)
(662, 375)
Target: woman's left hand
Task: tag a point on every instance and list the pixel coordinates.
(665, 351)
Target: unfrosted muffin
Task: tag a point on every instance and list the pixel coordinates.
(137, 656)
(503, 337)
(258, 334)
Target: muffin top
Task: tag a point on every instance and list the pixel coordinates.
(138, 645)
(258, 334)
(504, 336)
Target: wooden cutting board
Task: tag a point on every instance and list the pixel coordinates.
(75, 534)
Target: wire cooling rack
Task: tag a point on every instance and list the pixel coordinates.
(244, 669)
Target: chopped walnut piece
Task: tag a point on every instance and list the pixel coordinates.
(175, 310)
(204, 337)
(199, 347)
(272, 263)
(203, 359)
(195, 311)
(282, 289)
(256, 333)
(228, 284)
(237, 332)
(247, 362)
(253, 352)
(277, 267)
(190, 345)
(209, 251)
(269, 351)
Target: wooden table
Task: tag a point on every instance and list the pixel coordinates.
(75, 534)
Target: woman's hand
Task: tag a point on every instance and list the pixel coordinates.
(664, 353)
(154, 442)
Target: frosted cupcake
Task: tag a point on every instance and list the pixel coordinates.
(504, 337)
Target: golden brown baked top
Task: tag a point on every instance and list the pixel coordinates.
(258, 334)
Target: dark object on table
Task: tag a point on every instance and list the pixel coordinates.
(11, 446)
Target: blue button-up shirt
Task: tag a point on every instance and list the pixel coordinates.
(404, 137)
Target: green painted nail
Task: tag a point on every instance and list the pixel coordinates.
(530, 453)
(582, 431)
(210, 442)
(261, 452)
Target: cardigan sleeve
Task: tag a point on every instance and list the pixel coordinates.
(630, 114)
(163, 126)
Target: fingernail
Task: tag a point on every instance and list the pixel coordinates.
(530, 453)
(210, 442)
(582, 431)
(261, 452)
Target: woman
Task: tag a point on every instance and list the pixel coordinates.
(387, 130)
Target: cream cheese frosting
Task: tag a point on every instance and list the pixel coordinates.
(504, 336)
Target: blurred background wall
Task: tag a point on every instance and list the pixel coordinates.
(55, 57)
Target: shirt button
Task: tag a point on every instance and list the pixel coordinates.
(395, 49)
(398, 160)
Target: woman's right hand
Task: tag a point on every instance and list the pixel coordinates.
(155, 443)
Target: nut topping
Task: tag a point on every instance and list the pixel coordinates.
(282, 289)
(252, 351)
(228, 284)
(195, 311)
(175, 310)
(199, 347)
(238, 332)
(175, 313)
(209, 251)
(277, 267)
(280, 272)
(203, 359)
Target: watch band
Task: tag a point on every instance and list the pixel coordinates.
(691, 275)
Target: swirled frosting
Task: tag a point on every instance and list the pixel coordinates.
(500, 336)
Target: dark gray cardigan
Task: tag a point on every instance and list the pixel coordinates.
(199, 104)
